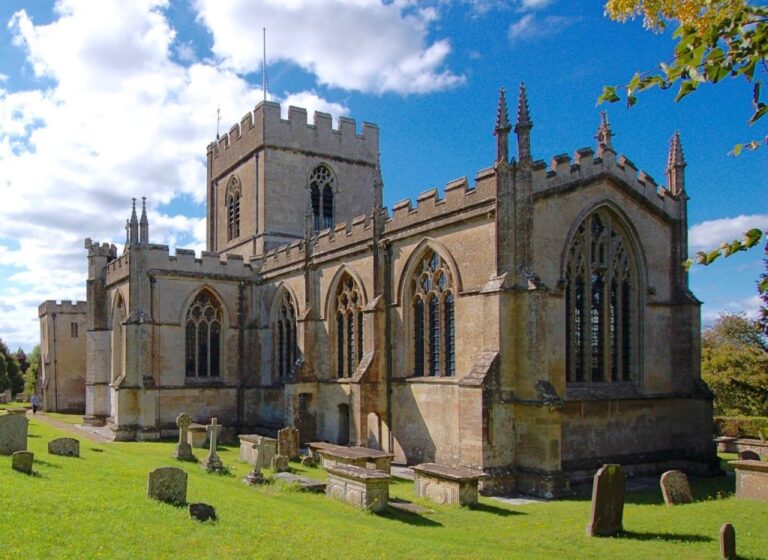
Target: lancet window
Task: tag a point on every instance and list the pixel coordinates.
(601, 304)
(284, 333)
(203, 337)
(233, 194)
(321, 186)
(434, 320)
(348, 327)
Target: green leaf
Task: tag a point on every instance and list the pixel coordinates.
(762, 286)
(686, 88)
(608, 96)
(737, 149)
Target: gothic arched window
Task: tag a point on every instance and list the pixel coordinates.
(434, 325)
(203, 337)
(321, 187)
(349, 326)
(600, 303)
(233, 208)
(284, 333)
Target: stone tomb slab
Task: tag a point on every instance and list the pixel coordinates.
(266, 446)
(357, 456)
(13, 433)
(22, 461)
(65, 447)
(751, 479)
(363, 488)
(168, 484)
(675, 488)
(305, 484)
(607, 502)
(446, 485)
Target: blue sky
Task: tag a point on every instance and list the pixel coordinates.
(102, 100)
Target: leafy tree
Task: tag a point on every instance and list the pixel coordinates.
(31, 375)
(5, 383)
(764, 294)
(21, 358)
(716, 39)
(15, 378)
(734, 363)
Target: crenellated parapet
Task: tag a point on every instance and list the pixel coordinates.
(159, 258)
(65, 307)
(96, 249)
(288, 255)
(564, 173)
(264, 127)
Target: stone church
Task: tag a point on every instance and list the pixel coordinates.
(534, 323)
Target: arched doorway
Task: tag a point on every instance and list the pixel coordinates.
(343, 432)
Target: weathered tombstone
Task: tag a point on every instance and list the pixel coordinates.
(212, 462)
(727, 542)
(288, 443)
(309, 460)
(66, 447)
(13, 434)
(22, 461)
(202, 512)
(675, 488)
(607, 502)
(279, 463)
(183, 451)
(748, 455)
(255, 476)
(168, 484)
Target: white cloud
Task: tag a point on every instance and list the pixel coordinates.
(116, 118)
(708, 235)
(749, 307)
(532, 27)
(391, 50)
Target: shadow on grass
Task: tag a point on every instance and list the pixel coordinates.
(33, 436)
(667, 537)
(96, 450)
(488, 508)
(408, 517)
(47, 464)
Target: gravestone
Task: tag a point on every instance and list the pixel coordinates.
(727, 542)
(22, 461)
(607, 502)
(288, 443)
(280, 463)
(212, 462)
(66, 447)
(183, 451)
(748, 455)
(255, 476)
(168, 484)
(13, 434)
(202, 512)
(309, 460)
(675, 488)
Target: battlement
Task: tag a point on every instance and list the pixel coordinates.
(100, 250)
(285, 255)
(563, 171)
(264, 127)
(65, 307)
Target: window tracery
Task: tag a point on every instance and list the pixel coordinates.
(321, 186)
(203, 337)
(233, 194)
(349, 327)
(284, 332)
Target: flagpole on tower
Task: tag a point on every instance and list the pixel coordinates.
(264, 83)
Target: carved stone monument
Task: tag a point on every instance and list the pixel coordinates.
(168, 484)
(22, 461)
(607, 502)
(66, 447)
(212, 462)
(675, 488)
(183, 451)
(279, 463)
(727, 542)
(288, 443)
(255, 476)
(13, 434)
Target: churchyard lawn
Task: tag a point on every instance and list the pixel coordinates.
(96, 506)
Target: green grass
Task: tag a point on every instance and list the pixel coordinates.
(15, 404)
(96, 507)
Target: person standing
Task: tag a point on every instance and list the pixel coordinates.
(35, 400)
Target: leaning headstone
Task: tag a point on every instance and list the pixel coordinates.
(66, 447)
(280, 463)
(675, 488)
(212, 462)
(22, 461)
(727, 542)
(255, 476)
(13, 434)
(202, 512)
(748, 455)
(183, 451)
(288, 443)
(168, 484)
(607, 502)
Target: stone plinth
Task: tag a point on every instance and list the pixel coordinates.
(751, 480)
(357, 486)
(197, 436)
(266, 446)
(13, 434)
(446, 485)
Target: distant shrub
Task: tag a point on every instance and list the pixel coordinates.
(742, 426)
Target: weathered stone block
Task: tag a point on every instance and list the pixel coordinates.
(607, 501)
(446, 485)
(13, 434)
(266, 446)
(675, 488)
(66, 447)
(279, 463)
(22, 461)
(751, 480)
(362, 488)
(197, 436)
(168, 484)
(288, 443)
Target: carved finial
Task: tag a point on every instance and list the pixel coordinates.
(676, 165)
(604, 134)
(133, 237)
(127, 232)
(144, 223)
(502, 128)
(523, 114)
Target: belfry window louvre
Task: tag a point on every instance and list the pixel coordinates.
(433, 317)
(601, 306)
(203, 337)
(321, 186)
(233, 194)
(349, 327)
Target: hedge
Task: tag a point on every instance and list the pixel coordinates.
(742, 426)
